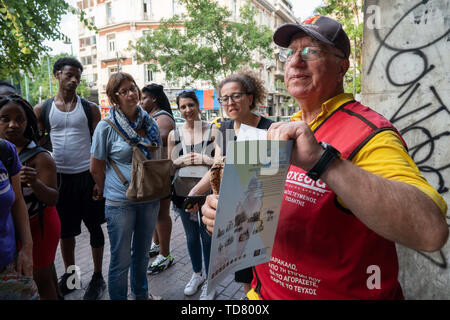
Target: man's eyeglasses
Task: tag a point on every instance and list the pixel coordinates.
(307, 54)
(235, 97)
(125, 92)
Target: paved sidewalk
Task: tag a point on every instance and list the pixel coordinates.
(169, 284)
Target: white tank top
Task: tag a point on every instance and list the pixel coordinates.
(71, 139)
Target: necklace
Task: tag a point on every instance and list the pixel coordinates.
(67, 109)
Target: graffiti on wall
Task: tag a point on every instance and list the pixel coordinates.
(411, 70)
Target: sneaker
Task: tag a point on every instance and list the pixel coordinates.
(209, 296)
(62, 285)
(193, 284)
(96, 288)
(160, 264)
(154, 250)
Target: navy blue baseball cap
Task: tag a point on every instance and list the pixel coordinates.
(321, 28)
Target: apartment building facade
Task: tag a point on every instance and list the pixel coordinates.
(121, 21)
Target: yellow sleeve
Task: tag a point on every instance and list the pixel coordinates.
(385, 156)
(252, 295)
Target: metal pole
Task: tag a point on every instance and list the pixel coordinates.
(27, 89)
(49, 77)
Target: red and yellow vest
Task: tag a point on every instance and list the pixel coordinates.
(321, 250)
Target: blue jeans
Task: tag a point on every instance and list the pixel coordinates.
(197, 240)
(130, 229)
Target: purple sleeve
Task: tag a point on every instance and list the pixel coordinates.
(16, 165)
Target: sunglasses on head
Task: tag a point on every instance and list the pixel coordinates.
(185, 91)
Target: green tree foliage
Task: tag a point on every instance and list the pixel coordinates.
(206, 43)
(349, 13)
(24, 26)
(38, 82)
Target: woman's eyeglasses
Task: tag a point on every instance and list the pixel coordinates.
(234, 97)
(125, 92)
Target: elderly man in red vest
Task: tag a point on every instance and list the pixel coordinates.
(360, 191)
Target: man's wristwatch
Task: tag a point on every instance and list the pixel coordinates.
(324, 162)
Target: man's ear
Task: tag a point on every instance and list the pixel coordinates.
(344, 64)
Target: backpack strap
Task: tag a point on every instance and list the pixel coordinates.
(33, 202)
(6, 157)
(27, 154)
(88, 111)
(161, 112)
(45, 112)
(47, 105)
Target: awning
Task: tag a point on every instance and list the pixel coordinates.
(206, 98)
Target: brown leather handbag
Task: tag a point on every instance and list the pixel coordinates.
(150, 179)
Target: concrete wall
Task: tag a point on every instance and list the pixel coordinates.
(406, 77)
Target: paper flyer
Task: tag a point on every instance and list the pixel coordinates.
(249, 206)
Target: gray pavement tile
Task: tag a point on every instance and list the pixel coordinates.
(169, 284)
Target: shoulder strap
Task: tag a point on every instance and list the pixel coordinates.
(205, 142)
(88, 111)
(45, 113)
(119, 174)
(27, 154)
(118, 131)
(264, 123)
(183, 145)
(161, 112)
(111, 161)
(6, 157)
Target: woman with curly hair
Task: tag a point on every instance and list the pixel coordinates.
(239, 95)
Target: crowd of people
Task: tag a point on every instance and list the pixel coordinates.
(60, 161)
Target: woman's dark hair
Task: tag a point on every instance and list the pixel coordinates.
(156, 91)
(31, 131)
(187, 94)
(66, 61)
(250, 83)
(114, 83)
(6, 84)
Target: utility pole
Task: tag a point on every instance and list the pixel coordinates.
(27, 89)
(49, 77)
(117, 61)
(68, 41)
